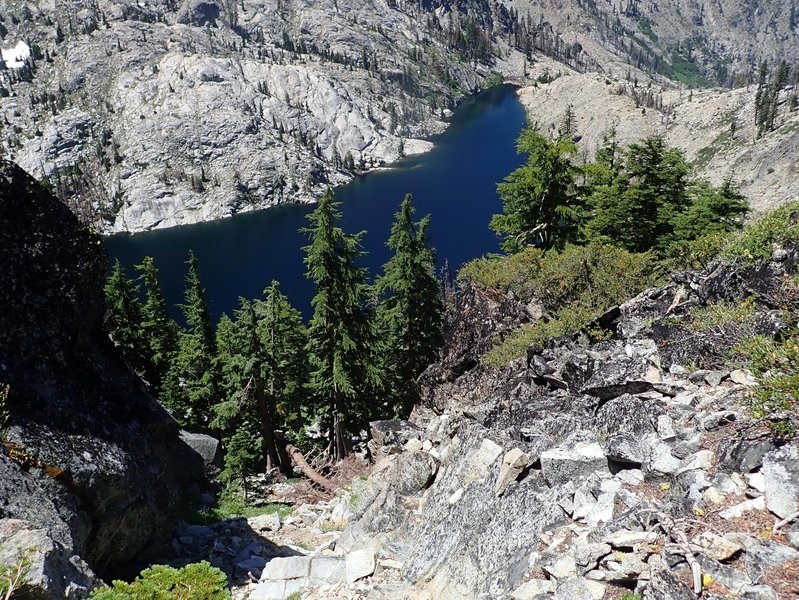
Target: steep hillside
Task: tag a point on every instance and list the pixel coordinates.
(715, 128)
(156, 114)
(686, 41)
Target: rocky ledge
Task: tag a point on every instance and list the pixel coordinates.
(92, 468)
(587, 470)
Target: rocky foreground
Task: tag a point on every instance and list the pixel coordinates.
(587, 470)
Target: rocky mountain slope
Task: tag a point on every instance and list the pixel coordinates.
(586, 470)
(92, 468)
(715, 128)
(161, 113)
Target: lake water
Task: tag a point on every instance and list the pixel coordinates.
(455, 183)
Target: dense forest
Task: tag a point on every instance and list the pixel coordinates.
(261, 378)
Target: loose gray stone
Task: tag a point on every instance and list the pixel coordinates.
(287, 567)
(359, 564)
(717, 547)
(513, 463)
(574, 589)
(758, 592)
(781, 474)
(532, 589)
(739, 509)
(328, 570)
(571, 462)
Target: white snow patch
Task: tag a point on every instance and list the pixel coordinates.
(15, 57)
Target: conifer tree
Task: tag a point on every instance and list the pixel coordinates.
(125, 317)
(637, 209)
(193, 380)
(159, 331)
(282, 337)
(540, 205)
(262, 365)
(411, 312)
(339, 335)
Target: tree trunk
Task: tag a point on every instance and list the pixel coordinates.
(341, 446)
(299, 460)
(265, 410)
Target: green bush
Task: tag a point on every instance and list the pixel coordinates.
(776, 364)
(513, 273)
(199, 581)
(757, 241)
(575, 285)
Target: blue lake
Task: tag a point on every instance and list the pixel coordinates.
(455, 183)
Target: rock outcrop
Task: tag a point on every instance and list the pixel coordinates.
(165, 114)
(86, 455)
(588, 469)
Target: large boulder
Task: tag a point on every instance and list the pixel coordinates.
(88, 455)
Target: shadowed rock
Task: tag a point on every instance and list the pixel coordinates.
(88, 455)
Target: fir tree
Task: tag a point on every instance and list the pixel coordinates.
(637, 209)
(411, 312)
(193, 381)
(262, 365)
(713, 210)
(125, 318)
(283, 337)
(539, 201)
(159, 331)
(339, 336)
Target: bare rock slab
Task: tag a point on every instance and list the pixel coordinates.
(359, 564)
(573, 461)
(781, 473)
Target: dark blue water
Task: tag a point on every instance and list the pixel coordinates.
(455, 183)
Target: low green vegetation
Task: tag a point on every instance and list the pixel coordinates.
(724, 315)
(198, 581)
(757, 242)
(232, 503)
(775, 363)
(685, 70)
(14, 575)
(574, 286)
(645, 26)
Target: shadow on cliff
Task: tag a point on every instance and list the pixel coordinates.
(88, 454)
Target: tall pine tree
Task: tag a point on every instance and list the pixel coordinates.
(125, 318)
(339, 335)
(158, 330)
(410, 314)
(283, 337)
(192, 386)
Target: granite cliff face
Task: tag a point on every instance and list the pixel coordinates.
(87, 458)
(161, 113)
